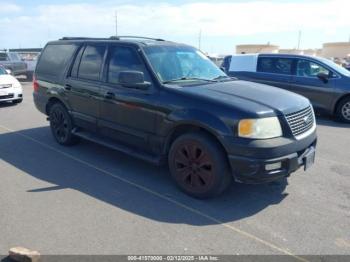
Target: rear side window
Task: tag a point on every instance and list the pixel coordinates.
(123, 58)
(3, 57)
(275, 65)
(14, 57)
(91, 62)
(54, 60)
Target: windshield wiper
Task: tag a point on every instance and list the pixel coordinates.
(188, 78)
(224, 78)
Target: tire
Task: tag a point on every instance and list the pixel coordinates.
(198, 165)
(343, 110)
(62, 125)
(17, 101)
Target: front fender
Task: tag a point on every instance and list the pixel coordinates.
(199, 118)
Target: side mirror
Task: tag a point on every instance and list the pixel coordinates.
(223, 69)
(133, 79)
(9, 71)
(323, 77)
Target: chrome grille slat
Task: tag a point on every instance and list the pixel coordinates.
(297, 122)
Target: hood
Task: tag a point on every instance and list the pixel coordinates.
(251, 97)
(9, 79)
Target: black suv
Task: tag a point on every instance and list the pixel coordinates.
(167, 102)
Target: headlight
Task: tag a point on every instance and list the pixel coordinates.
(261, 128)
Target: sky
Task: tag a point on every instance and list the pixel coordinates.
(223, 24)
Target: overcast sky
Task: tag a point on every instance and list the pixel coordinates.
(224, 24)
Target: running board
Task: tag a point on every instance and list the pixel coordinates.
(154, 159)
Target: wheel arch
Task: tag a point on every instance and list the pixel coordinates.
(184, 128)
(340, 99)
(53, 100)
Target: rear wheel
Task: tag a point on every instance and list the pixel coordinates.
(62, 125)
(198, 165)
(343, 110)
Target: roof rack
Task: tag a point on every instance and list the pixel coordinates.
(136, 37)
(82, 38)
(111, 38)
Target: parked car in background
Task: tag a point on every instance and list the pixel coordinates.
(325, 83)
(13, 62)
(30, 57)
(167, 102)
(10, 88)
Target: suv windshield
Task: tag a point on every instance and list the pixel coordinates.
(182, 63)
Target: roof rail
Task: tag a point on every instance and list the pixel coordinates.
(82, 38)
(111, 38)
(136, 37)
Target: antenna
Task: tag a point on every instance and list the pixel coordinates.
(299, 40)
(116, 22)
(200, 39)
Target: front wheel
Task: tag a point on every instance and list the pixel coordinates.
(198, 165)
(343, 110)
(62, 125)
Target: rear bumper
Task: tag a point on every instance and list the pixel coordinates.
(40, 102)
(250, 167)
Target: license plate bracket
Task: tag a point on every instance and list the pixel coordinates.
(309, 158)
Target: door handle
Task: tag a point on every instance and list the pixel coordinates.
(68, 87)
(109, 95)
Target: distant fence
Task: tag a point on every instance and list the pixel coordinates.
(19, 50)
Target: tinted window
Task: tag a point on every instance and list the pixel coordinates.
(54, 60)
(3, 71)
(3, 57)
(74, 72)
(275, 65)
(226, 63)
(91, 61)
(124, 59)
(307, 68)
(14, 57)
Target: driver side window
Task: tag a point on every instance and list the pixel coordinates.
(122, 58)
(306, 68)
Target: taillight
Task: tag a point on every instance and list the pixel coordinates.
(35, 84)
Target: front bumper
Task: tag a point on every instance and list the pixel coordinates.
(10, 94)
(249, 164)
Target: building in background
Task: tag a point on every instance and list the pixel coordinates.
(337, 50)
(251, 49)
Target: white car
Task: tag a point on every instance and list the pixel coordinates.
(10, 87)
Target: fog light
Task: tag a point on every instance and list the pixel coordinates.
(273, 166)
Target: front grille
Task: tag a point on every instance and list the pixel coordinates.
(7, 96)
(301, 121)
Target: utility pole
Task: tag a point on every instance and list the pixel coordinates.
(116, 23)
(299, 40)
(200, 39)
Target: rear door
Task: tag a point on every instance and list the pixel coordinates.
(83, 85)
(18, 65)
(305, 82)
(274, 71)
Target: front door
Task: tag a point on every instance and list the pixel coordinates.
(306, 83)
(126, 115)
